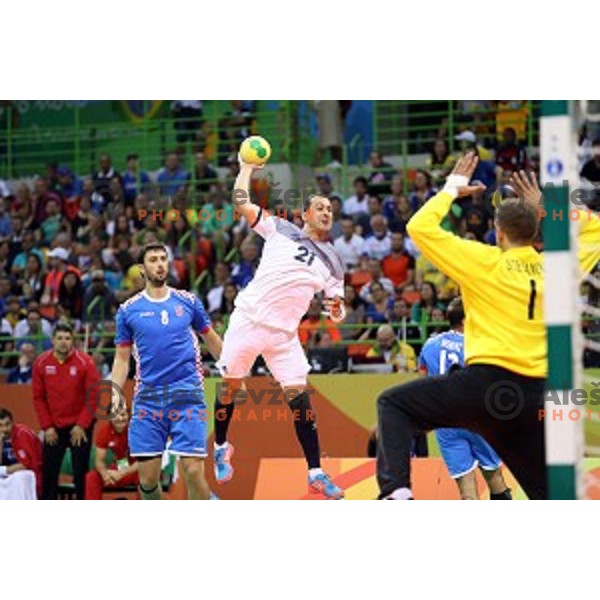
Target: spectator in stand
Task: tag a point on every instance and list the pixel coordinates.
(390, 201)
(51, 225)
(13, 313)
(401, 315)
(468, 143)
(20, 460)
(172, 177)
(378, 245)
(52, 177)
(122, 470)
(207, 177)
(358, 203)
(399, 265)
(33, 330)
(336, 216)
(378, 310)
(350, 245)
(230, 292)
(41, 198)
(22, 372)
(214, 296)
(135, 181)
(62, 380)
(5, 292)
(219, 215)
(234, 127)
(426, 271)
(440, 161)
(399, 354)
(19, 262)
(22, 204)
(381, 173)
(70, 294)
(315, 324)
(187, 120)
(15, 241)
(102, 183)
(69, 185)
(475, 216)
(97, 201)
(243, 272)
(511, 155)
(423, 190)
(486, 169)
(325, 185)
(57, 264)
(591, 169)
(435, 326)
(355, 313)
(103, 308)
(32, 280)
(376, 274)
(330, 118)
(6, 229)
(421, 311)
(363, 221)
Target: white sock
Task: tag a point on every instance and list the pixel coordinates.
(400, 494)
(314, 472)
(218, 447)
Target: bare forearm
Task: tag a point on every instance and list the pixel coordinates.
(241, 195)
(119, 372)
(14, 468)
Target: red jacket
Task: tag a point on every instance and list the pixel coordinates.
(27, 448)
(59, 389)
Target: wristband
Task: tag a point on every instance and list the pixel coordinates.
(3, 471)
(453, 182)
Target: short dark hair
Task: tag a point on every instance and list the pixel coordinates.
(132, 156)
(309, 199)
(361, 179)
(456, 312)
(149, 248)
(596, 142)
(5, 414)
(518, 219)
(64, 327)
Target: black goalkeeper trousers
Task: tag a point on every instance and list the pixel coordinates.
(498, 404)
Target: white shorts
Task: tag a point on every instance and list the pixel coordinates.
(246, 339)
(18, 486)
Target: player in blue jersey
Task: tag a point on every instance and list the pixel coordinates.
(463, 451)
(159, 326)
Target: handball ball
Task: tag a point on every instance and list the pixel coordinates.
(255, 150)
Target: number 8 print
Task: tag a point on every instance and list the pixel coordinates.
(164, 317)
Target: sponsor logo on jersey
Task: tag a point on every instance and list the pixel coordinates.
(147, 313)
(50, 370)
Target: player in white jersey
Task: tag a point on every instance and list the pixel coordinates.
(295, 265)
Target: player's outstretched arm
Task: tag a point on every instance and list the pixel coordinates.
(459, 259)
(213, 342)
(528, 189)
(240, 196)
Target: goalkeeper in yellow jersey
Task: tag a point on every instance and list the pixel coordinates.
(499, 392)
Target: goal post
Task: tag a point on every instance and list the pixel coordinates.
(563, 420)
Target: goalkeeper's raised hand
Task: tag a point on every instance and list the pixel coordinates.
(458, 181)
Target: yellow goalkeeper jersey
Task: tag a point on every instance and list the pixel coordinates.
(502, 291)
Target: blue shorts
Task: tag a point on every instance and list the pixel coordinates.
(185, 423)
(463, 451)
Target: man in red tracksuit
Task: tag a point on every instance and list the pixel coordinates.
(20, 450)
(122, 470)
(61, 378)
